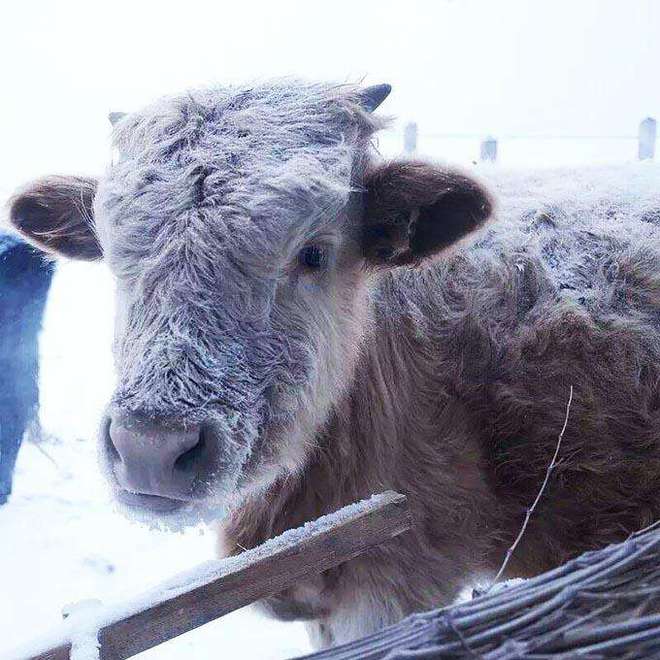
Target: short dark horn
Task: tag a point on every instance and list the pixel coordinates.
(372, 97)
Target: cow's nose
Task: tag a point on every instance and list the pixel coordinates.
(149, 458)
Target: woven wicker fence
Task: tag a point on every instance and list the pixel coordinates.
(604, 604)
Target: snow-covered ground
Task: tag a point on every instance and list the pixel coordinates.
(61, 540)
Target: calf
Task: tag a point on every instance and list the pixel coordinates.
(301, 324)
(24, 282)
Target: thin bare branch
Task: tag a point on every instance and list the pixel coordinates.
(532, 508)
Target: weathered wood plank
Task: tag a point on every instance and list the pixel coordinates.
(262, 574)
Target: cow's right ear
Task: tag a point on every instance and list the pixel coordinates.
(56, 215)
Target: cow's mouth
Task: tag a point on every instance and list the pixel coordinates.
(155, 504)
(167, 513)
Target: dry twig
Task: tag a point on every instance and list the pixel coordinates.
(531, 509)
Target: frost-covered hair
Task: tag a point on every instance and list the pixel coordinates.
(204, 217)
(324, 381)
(211, 175)
(211, 196)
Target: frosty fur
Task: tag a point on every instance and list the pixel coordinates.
(443, 374)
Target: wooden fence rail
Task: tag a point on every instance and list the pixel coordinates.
(603, 604)
(225, 587)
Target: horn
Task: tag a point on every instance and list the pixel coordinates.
(114, 117)
(371, 97)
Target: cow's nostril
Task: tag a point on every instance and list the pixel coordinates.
(113, 452)
(189, 461)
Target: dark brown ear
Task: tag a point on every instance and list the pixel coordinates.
(55, 214)
(414, 210)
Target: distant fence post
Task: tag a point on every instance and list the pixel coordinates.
(647, 135)
(410, 138)
(489, 149)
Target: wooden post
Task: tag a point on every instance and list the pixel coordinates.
(647, 136)
(489, 149)
(264, 571)
(410, 138)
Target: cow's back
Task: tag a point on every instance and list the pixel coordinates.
(562, 290)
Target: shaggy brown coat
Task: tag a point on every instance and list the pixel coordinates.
(459, 397)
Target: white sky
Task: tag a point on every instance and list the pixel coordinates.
(466, 66)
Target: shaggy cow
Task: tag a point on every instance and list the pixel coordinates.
(24, 282)
(293, 334)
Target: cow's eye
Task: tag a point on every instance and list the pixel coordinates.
(312, 257)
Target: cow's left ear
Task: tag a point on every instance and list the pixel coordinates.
(415, 210)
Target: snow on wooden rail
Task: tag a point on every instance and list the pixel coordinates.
(219, 587)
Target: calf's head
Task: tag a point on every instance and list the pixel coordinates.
(246, 229)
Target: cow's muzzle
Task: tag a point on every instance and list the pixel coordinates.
(155, 464)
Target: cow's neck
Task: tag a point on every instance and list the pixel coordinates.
(398, 425)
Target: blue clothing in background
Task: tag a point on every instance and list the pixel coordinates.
(24, 282)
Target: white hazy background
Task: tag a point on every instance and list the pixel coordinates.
(507, 68)
(586, 67)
